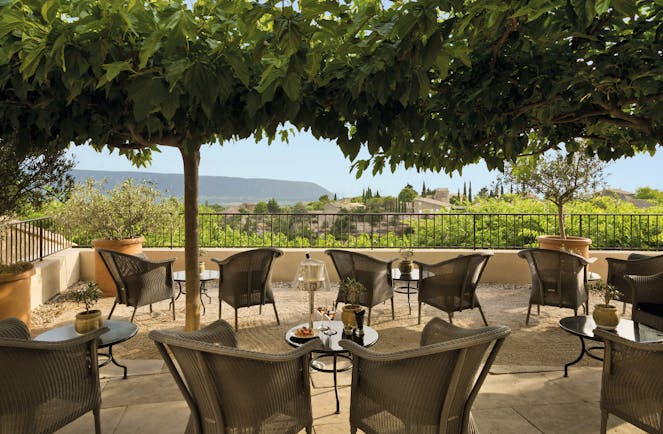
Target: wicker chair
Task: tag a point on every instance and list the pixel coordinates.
(429, 389)
(244, 280)
(558, 279)
(46, 385)
(636, 264)
(371, 272)
(647, 300)
(632, 385)
(234, 391)
(139, 281)
(451, 285)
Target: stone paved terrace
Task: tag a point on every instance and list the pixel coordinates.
(532, 401)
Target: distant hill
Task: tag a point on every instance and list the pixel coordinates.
(218, 189)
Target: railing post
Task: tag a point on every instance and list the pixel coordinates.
(41, 240)
(474, 231)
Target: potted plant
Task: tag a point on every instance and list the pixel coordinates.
(26, 180)
(351, 290)
(559, 177)
(115, 219)
(405, 266)
(87, 295)
(606, 316)
(201, 260)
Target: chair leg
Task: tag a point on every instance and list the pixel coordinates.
(623, 307)
(220, 303)
(112, 309)
(529, 309)
(260, 309)
(172, 300)
(451, 317)
(353, 429)
(368, 321)
(604, 421)
(419, 317)
(393, 317)
(309, 430)
(133, 314)
(97, 420)
(575, 312)
(276, 314)
(236, 322)
(483, 316)
(150, 307)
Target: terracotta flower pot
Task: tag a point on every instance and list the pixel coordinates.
(577, 245)
(15, 295)
(348, 315)
(88, 321)
(606, 316)
(130, 246)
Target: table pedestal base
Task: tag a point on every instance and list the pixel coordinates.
(319, 364)
(583, 350)
(111, 359)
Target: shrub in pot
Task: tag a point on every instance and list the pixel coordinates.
(87, 320)
(116, 219)
(350, 290)
(559, 177)
(606, 316)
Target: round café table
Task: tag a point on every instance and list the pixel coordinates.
(331, 350)
(583, 327)
(205, 276)
(119, 331)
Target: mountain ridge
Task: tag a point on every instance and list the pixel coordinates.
(224, 190)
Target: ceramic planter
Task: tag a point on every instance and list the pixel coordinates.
(606, 316)
(405, 266)
(577, 245)
(348, 315)
(130, 246)
(201, 267)
(15, 295)
(87, 321)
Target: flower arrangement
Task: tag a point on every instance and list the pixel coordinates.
(88, 295)
(351, 290)
(406, 254)
(606, 291)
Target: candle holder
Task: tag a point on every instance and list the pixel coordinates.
(311, 277)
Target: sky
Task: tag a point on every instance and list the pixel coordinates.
(305, 158)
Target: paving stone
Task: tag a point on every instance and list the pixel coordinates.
(502, 421)
(110, 418)
(142, 389)
(165, 418)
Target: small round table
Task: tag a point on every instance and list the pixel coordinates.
(583, 327)
(412, 281)
(205, 276)
(332, 350)
(119, 331)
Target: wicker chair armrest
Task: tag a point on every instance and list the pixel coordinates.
(215, 348)
(168, 263)
(646, 289)
(610, 336)
(53, 346)
(218, 332)
(14, 328)
(221, 261)
(592, 260)
(487, 334)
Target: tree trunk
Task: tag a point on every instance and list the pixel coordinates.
(191, 160)
(560, 217)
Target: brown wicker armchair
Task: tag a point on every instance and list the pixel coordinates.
(638, 265)
(245, 280)
(139, 281)
(558, 279)
(429, 389)
(632, 385)
(373, 273)
(230, 390)
(647, 292)
(451, 285)
(46, 385)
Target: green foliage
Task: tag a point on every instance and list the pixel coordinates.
(273, 206)
(127, 210)
(351, 290)
(260, 208)
(558, 177)
(606, 291)
(407, 194)
(650, 194)
(15, 268)
(87, 295)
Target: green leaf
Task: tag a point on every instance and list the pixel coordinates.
(49, 10)
(150, 46)
(239, 66)
(602, 6)
(292, 87)
(625, 7)
(113, 70)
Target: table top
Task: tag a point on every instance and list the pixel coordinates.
(331, 342)
(584, 326)
(120, 331)
(180, 276)
(411, 277)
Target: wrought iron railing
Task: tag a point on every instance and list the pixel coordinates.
(379, 230)
(31, 240)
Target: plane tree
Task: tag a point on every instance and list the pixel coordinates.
(432, 84)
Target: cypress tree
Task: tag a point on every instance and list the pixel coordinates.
(469, 193)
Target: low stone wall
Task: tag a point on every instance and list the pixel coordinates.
(57, 272)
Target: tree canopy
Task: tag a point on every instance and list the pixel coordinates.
(432, 84)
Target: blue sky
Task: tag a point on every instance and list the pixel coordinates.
(321, 162)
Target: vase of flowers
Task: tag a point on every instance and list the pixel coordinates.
(405, 266)
(201, 261)
(351, 290)
(606, 316)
